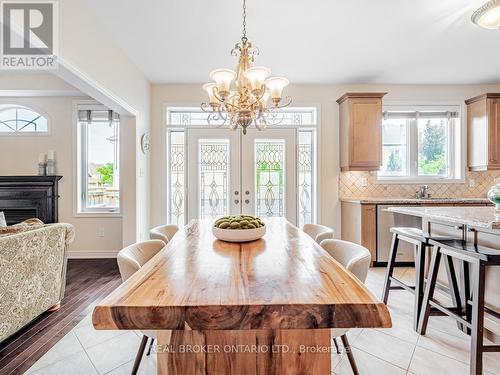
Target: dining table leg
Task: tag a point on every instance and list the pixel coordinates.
(273, 352)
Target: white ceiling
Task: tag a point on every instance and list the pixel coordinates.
(308, 41)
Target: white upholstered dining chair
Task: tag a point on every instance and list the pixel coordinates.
(163, 232)
(356, 259)
(130, 260)
(318, 232)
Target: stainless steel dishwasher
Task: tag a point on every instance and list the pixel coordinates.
(386, 220)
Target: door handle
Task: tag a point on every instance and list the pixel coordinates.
(247, 201)
(236, 201)
(247, 192)
(236, 192)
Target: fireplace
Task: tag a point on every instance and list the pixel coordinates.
(24, 197)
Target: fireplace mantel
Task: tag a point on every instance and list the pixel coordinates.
(23, 197)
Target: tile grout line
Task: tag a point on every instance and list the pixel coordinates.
(373, 355)
(412, 355)
(381, 359)
(59, 360)
(87, 354)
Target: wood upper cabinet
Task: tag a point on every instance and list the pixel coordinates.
(360, 131)
(483, 130)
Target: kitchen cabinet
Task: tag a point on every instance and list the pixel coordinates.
(483, 130)
(359, 225)
(360, 126)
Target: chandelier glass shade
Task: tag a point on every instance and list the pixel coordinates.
(488, 16)
(246, 96)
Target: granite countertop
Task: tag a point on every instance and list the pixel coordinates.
(480, 217)
(414, 200)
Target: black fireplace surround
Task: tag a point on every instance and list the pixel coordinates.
(24, 197)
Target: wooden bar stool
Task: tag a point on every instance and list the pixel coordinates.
(477, 258)
(416, 237)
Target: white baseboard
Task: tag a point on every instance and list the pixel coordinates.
(92, 254)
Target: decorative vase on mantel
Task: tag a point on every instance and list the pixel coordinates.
(494, 195)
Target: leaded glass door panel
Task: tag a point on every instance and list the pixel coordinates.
(269, 172)
(213, 159)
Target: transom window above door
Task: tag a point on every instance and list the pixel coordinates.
(213, 171)
(422, 144)
(296, 116)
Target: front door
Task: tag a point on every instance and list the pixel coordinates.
(269, 173)
(230, 173)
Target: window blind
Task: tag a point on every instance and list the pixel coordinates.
(420, 114)
(98, 116)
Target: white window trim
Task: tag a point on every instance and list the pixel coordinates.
(317, 215)
(78, 164)
(34, 108)
(454, 148)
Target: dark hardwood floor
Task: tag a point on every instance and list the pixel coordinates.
(87, 282)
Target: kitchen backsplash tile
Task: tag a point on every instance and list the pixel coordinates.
(352, 186)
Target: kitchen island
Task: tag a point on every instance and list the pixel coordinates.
(475, 257)
(366, 221)
(471, 217)
(478, 225)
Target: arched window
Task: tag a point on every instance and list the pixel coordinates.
(19, 119)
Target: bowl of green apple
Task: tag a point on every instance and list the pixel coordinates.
(239, 228)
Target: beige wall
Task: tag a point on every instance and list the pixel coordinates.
(19, 156)
(322, 95)
(91, 61)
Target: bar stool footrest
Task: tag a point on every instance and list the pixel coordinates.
(491, 348)
(402, 285)
(451, 312)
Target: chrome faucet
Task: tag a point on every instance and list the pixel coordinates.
(423, 192)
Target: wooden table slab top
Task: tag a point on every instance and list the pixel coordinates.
(282, 281)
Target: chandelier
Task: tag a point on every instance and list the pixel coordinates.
(246, 96)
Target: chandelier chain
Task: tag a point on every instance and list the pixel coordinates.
(244, 38)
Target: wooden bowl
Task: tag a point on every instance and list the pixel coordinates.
(239, 235)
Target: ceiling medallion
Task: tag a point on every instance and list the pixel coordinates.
(252, 98)
(488, 16)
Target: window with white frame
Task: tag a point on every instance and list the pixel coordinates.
(17, 119)
(421, 144)
(98, 159)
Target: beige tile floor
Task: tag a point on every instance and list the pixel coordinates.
(395, 351)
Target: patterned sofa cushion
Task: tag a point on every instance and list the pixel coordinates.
(32, 273)
(24, 226)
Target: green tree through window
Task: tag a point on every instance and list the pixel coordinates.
(394, 163)
(432, 148)
(106, 174)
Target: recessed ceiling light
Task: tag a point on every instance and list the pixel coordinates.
(488, 16)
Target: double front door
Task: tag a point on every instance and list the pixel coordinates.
(229, 173)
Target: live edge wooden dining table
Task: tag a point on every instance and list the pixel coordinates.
(261, 307)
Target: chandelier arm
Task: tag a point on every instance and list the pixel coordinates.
(216, 95)
(225, 102)
(222, 116)
(263, 92)
(289, 101)
(232, 106)
(206, 107)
